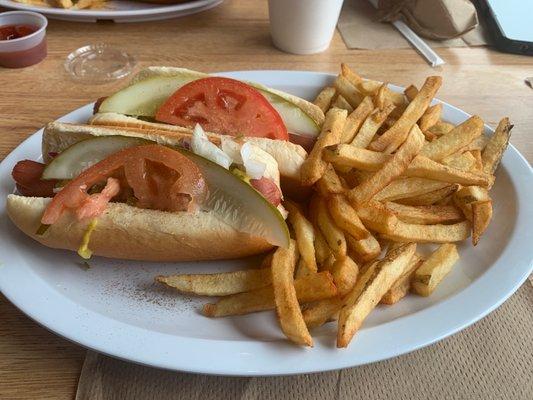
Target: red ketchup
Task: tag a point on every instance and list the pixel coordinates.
(24, 57)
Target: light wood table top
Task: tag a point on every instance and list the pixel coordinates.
(36, 364)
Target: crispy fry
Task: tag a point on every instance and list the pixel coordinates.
(221, 284)
(333, 235)
(408, 187)
(493, 152)
(391, 169)
(441, 128)
(309, 288)
(430, 117)
(330, 182)
(398, 133)
(364, 250)
(348, 91)
(454, 140)
(481, 216)
(301, 269)
(424, 167)
(287, 306)
(346, 217)
(305, 235)
(64, 3)
(340, 102)
(317, 314)
(478, 143)
(324, 99)
(404, 232)
(425, 215)
(369, 290)
(401, 287)
(462, 161)
(478, 164)
(420, 166)
(410, 92)
(344, 272)
(464, 198)
(430, 198)
(434, 269)
(356, 118)
(376, 217)
(314, 167)
(371, 125)
(352, 76)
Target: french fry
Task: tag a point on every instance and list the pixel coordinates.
(322, 250)
(441, 128)
(340, 102)
(425, 215)
(493, 152)
(371, 125)
(312, 287)
(481, 216)
(408, 187)
(376, 217)
(64, 3)
(324, 99)
(314, 167)
(410, 92)
(305, 235)
(478, 143)
(434, 269)
(287, 306)
(401, 287)
(348, 91)
(301, 269)
(220, 284)
(420, 166)
(330, 182)
(364, 250)
(346, 217)
(430, 198)
(430, 118)
(369, 290)
(478, 164)
(398, 133)
(391, 169)
(344, 271)
(438, 233)
(424, 167)
(317, 314)
(356, 118)
(454, 140)
(462, 161)
(334, 236)
(369, 87)
(465, 196)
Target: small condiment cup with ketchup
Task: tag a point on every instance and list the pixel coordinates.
(22, 39)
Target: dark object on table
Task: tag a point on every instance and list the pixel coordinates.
(509, 23)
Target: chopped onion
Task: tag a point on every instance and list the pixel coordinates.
(258, 163)
(201, 145)
(231, 148)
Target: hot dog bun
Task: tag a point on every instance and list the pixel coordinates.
(132, 233)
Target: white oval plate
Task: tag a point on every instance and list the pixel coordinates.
(119, 10)
(114, 307)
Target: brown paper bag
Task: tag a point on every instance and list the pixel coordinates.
(433, 19)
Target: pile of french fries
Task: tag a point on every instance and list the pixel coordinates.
(387, 174)
(67, 4)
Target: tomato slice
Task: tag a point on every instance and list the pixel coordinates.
(160, 178)
(225, 106)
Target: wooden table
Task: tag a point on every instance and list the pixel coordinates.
(36, 364)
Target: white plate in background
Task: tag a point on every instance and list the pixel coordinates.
(115, 308)
(119, 10)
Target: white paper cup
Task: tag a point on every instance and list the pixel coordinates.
(303, 26)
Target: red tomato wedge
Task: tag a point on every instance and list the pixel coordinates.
(225, 106)
(160, 178)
